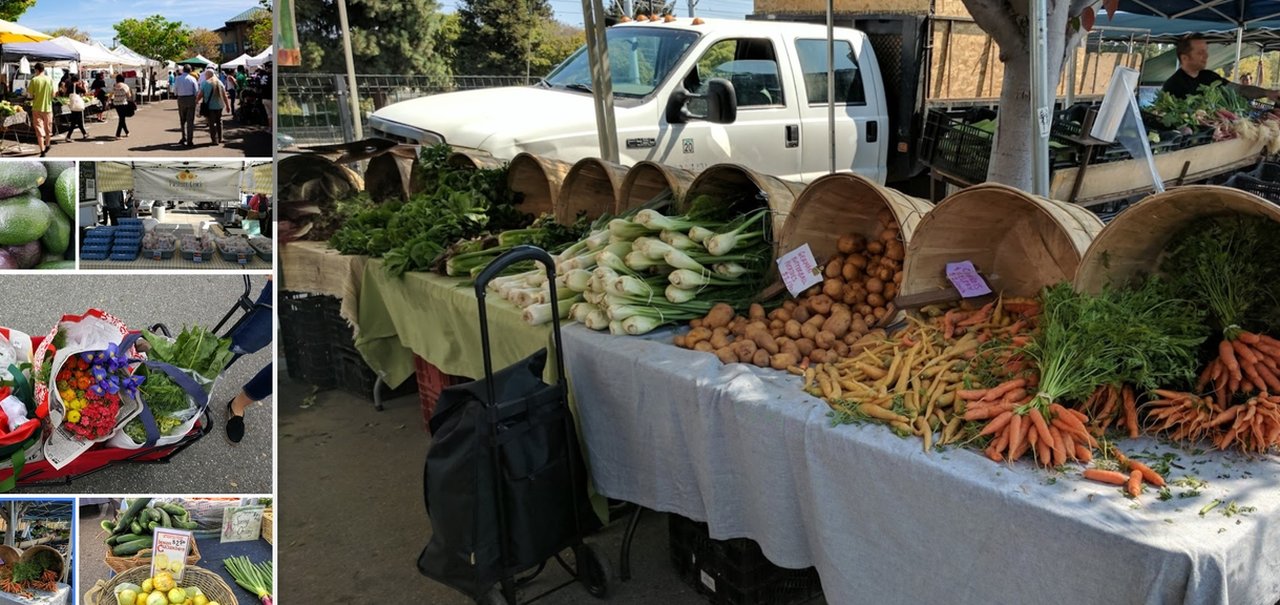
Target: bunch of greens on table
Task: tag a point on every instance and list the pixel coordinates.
(470, 257)
(195, 349)
(454, 204)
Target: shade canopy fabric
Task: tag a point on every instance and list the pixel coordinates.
(125, 51)
(38, 51)
(196, 60)
(1165, 30)
(90, 55)
(12, 32)
(262, 57)
(1237, 13)
(121, 59)
(241, 61)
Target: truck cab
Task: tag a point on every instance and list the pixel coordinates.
(778, 82)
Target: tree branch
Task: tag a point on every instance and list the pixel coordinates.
(998, 19)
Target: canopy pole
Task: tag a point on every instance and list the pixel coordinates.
(1235, 71)
(1071, 71)
(1041, 107)
(831, 85)
(351, 69)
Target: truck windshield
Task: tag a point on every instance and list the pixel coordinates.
(640, 58)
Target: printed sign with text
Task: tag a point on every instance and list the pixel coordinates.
(799, 270)
(170, 550)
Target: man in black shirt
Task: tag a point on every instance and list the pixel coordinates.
(1193, 58)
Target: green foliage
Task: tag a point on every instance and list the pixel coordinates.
(1193, 110)
(387, 36)
(26, 571)
(1141, 336)
(1227, 266)
(195, 349)
(10, 10)
(260, 33)
(498, 37)
(162, 394)
(154, 37)
(207, 44)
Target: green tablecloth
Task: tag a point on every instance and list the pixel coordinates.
(436, 318)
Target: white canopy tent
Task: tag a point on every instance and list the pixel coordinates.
(124, 60)
(92, 56)
(124, 51)
(241, 61)
(262, 57)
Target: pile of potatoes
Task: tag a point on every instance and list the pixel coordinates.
(825, 322)
(815, 328)
(866, 274)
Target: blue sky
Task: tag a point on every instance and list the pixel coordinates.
(97, 16)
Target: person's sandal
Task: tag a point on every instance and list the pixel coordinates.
(235, 425)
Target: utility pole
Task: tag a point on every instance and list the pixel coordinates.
(351, 69)
(693, 8)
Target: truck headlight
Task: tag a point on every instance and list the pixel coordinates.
(402, 133)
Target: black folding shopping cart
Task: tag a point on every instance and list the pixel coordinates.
(504, 481)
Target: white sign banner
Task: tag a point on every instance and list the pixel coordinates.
(186, 184)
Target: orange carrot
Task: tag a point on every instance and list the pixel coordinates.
(999, 423)
(979, 316)
(1135, 483)
(1227, 354)
(995, 393)
(1083, 453)
(971, 395)
(1249, 338)
(1148, 475)
(1130, 412)
(1042, 427)
(1105, 476)
(1243, 353)
(1059, 448)
(1016, 436)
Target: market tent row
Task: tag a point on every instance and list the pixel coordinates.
(1245, 14)
(125, 51)
(1160, 29)
(197, 60)
(262, 57)
(95, 56)
(241, 61)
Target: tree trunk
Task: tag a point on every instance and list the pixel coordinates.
(1008, 24)
(1015, 135)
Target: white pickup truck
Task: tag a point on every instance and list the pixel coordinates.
(768, 110)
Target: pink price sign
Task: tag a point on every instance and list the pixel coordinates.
(964, 276)
(799, 270)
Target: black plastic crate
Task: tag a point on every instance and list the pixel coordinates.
(306, 339)
(1267, 171)
(735, 572)
(1266, 189)
(951, 146)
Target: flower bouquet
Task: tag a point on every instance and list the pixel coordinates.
(90, 385)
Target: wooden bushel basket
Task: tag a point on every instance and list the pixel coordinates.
(592, 186)
(1134, 242)
(1019, 241)
(647, 180)
(538, 179)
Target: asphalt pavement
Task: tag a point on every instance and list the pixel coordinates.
(153, 130)
(33, 303)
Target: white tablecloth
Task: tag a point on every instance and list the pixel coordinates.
(62, 597)
(745, 450)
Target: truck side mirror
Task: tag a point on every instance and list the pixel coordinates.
(722, 104)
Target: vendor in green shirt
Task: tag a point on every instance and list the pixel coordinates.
(41, 92)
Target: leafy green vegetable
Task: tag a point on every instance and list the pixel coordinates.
(161, 393)
(452, 204)
(26, 571)
(1227, 266)
(136, 431)
(195, 349)
(1136, 336)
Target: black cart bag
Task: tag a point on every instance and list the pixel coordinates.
(505, 485)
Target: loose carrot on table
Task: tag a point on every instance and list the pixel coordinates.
(1148, 475)
(1105, 476)
(1134, 486)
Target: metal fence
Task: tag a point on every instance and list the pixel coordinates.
(315, 108)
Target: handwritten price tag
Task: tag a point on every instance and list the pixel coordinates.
(799, 270)
(966, 279)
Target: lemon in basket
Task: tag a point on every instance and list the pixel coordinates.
(142, 598)
(147, 585)
(127, 597)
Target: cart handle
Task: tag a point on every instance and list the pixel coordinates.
(511, 257)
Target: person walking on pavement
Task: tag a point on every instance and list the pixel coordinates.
(75, 103)
(99, 89)
(212, 99)
(122, 100)
(185, 87)
(41, 91)
(229, 81)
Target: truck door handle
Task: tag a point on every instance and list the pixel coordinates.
(873, 131)
(793, 135)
